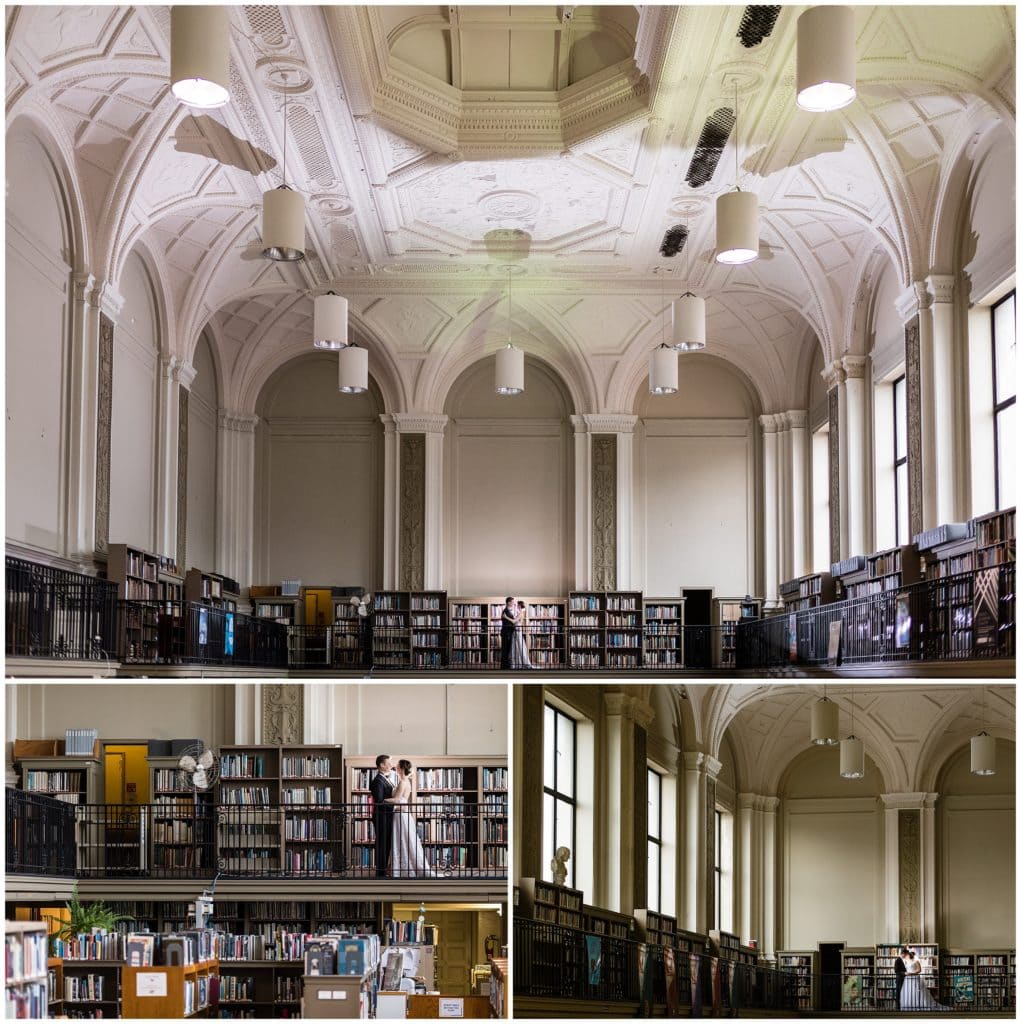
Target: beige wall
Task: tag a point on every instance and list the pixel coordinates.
(202, 444)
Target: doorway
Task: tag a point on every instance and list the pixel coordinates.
(117, 827)
(698, 617)
(829, 969)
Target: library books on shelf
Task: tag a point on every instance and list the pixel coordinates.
(181, 833)
(729, 947)
(409, 629)
(75, 780)
(663, 635)
(809, 591)
(727, 613)
(886, 976)
(858, 978)
(213, 589)
(554, 904)
(803, 967)
(977, 980)
(605, 629)
(499, 986)
(169, 991)
(26, 969)
(475, 630)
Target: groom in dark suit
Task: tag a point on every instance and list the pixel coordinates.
(899, 970)
(508, 623)
(382, 788)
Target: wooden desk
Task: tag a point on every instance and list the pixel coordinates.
(428, 1007)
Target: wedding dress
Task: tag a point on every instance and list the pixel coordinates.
(519, 650)
(915, 995)
(407, 858)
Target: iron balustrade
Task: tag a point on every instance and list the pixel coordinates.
(216, 636)
(56, 613)
(40, 835)
(187, 836)
(952, 990)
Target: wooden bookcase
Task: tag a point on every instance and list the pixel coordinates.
(604, 629)
(347, 634)
(285, 610)
(949, 550)
(475, 630)
(803, 966)
(806, 592)
(409, 629)
(727, 613)
(995, 978)
(886, 979)
(212, 589)
(858, 978)
(75, 780)
(339, 997)
(250, 778)
(946, 550)
(848, 574)
(142, 576)
(182, 819)
(994, 538)
(98, 979)
(264, 988)
(462, 789)
(186, 990)
(664, 632)
(597, 921)
(554, 904)
(499, 986)
(26, 973)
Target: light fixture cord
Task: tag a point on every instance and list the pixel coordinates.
(285, 131)
(735, 135)
(510, 306)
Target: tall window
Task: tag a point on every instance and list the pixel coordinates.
(900, 460)
(655, 840)
(718, 870)
(558, 782)
(1004, 397)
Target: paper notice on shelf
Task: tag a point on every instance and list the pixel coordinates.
(150, 983)
(331, 994)
(451, 1007)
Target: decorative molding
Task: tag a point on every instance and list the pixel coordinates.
(177, 371)
(412, 505)
(710, 853)
(940, 287)
(834, 459)
(242, 422)
(757, 802)
(283, 712)
(912, 300)
(604, 511)
(104, 420)
(909, 855)
(834, 374)
(797, 419)
(609, 423)
(771, 422)
(630, 708)
(183, 396)
(913, 380)
(854, 367)
(419, 422)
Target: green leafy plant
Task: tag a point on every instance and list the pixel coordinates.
(85, 917)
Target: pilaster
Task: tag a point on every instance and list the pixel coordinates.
(770, 507)
(756, 835)
(175, 375)
(799, 547)
(700, 772)
(856, 456)
(582, 504)
(833, 376)
(235, 494)
(910, 867)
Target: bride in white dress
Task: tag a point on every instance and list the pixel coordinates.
(407, 859)
(915, 995)
(519, 646)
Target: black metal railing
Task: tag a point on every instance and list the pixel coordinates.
(187, 836)
(954, 990)
(55, 613)
(970, 615)
(214, 636)
(40, 835)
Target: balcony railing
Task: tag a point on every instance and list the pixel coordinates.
(188, 837)
(40, 835)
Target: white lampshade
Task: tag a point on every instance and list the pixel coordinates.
(983, 754)
(329, 321)
(826, 58)
(283, 225)
(689, 323)
(825, 722)
(510, 371)
(663, 371)
(852, 758)
(200, 55)
(737, 227)
(353, 376)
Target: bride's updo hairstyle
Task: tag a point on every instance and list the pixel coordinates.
(405, 766)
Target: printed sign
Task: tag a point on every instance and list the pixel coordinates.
(451, 1007)
(150, 983)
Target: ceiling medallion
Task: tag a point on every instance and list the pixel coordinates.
(284, 75)
(510, 204)
(332, 205)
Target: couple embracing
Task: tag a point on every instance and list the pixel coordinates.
(911, 990)
(398, 846)
(513, 648)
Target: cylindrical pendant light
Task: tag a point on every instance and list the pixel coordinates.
(826, 74)
(329, 321)
(852, 758)
(283, 225)
(510, 370)
(663, 371)
(354, 370)
(825, 722)
(200, 55)
(983, 754)
(689, 323)
(737, 227)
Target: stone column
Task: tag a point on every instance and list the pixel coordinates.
(627, 720)
(756, 882)
(910, 867)
(770, 508)
(391, 500)
(582, 504)
(949, 440)
(855, 451)
(319, 712)
(175, 374)
(833, 376)
(235, 494)
(769, 809)
(527, 788)
(799, 547)
(700, 771)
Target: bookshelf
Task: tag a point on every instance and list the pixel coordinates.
(182, 818)
(75, 780)
(994, 539)
(858, 982)
(663, 644)
(475, 630)
(806, 592)
(142, 576)
(409, 629)
(92, 988)
(597, 921)
(604, 629)
(803, 967)
(26, 969)
(212, 589)
(499, 986)
(886, 980)
(163, 991)
(994, 980)
(250, 778)
(347, 634)
(286, 610)
(727, 613)
(729, 948)
(947, 550)
(554, 904)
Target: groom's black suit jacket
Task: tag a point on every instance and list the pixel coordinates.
(383, 817)
(899, 971)
(508, 624)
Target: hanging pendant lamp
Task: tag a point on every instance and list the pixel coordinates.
(825, 722)
(983, 747)
(283, 216)
(737, 218)
(689, 323)
(200, 55)
(329, 322)
(852, 753)
(663, 371)
(353, 376)
(510, 361)
(826, 71)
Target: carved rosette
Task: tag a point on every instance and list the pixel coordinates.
(412, 536)
(283, 713)
(913, 387)
(182, 475)
(834, 456)
(909, 881)
(104, 418)
(604, 511)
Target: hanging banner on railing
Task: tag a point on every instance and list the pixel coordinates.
(985, 602)
(670, 970)
(594, 949)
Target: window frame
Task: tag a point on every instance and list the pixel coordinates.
(999, 407)
(718, 867)
(553, 791)
(899, 459)
(657, 839)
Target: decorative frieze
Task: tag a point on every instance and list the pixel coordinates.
(604, 511)
(412, 512)
(183, 394)
(283, 713)
(913, 388)
(909, 874)
(834, 472)
(104, 419)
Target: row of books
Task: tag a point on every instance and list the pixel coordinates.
(80, 742)
(306, 795)
(25, 956)
(25, 1002)
(305, 766)
(242, 766)
(53, 782)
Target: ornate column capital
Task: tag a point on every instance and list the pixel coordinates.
(630, 708)
(912, 300)
(940, 287)
(610, 423)
(694, 760)
(98, 294)
(909, 801)
(834, 374)
(579, 425)
(769, 423)
(854, 367)
(757, 802)
(178, 371)
(797, 419)
(419, 422)
(242, 422)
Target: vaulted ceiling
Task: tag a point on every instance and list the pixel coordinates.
(412, 131)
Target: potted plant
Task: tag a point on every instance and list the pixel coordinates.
(85, 918)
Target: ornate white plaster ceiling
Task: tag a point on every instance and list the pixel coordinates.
(577, 130)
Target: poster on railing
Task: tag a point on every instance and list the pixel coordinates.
(228, 634)
(792, 637)
(833, 646)
(984, 608)
(203, 627)
(902, 622)
(670, 971)
(594, 951)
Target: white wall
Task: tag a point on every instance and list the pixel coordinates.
(508, 487)
(319, 488)
(202, 416)
(37, 323)
(133, 424)
(989, 244)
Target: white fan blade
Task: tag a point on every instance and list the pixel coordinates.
(199, 778)
(188, 763)
(206, 760)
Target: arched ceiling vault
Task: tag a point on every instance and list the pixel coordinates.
(396, 222)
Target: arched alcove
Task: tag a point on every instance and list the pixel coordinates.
(695, 452)
(319, 478)
(508, 495)
(976, 851)
(986, 242)
(202, 455)
(832, 852)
